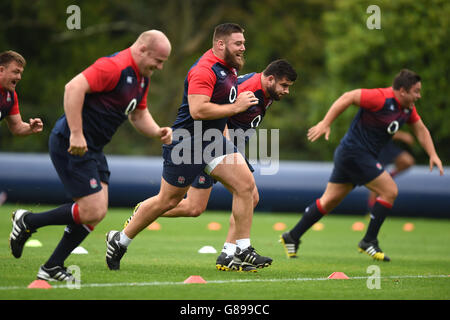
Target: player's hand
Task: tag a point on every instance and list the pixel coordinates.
(244, 101)
(436, 161)
(78, 145)
(36, 125)
(318, 130)
(166, 135)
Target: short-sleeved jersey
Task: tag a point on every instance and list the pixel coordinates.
(379, 117)
(9, 104)
(212, 77)
(117, 89)
(252, 117)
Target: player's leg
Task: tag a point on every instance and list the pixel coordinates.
(92, 209)
(193, 205)
(229, 247)
(386, 189)
(330, 199)
(233, 172)
(148, 211)
(402, 162)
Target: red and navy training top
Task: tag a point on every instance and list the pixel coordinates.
(9, 104)
(252, 117)
(209, 76)
(380, 116)
(117, 89)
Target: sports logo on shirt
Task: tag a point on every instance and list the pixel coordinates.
(201, 180)
(129, 80)
(181, 179)
(8, 97)
(379, 166)
(93, 183)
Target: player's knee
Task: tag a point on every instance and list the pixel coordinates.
(255, 198)
(195, 212)
(93, 214)
(245, 186)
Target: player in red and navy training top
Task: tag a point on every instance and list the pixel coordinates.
(210, 97)
(12, 65)
(382, 112)
(270, 85)
(96, 102)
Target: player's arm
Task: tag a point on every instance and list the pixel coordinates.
(424, 137)
(404, 136)
(20, 128)
(74, 93)
(143, 122)
(201, 108)
(341, 104)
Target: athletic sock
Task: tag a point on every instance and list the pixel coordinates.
(313, 213)
(124, 240)
(380, 210)
(229, 248)
(73, 235)
(63, 215)
(243, 243)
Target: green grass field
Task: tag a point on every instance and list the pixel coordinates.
(158, 262)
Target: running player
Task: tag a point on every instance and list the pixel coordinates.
(12, 65)
(210, 97)
(270, 85)
(96, 102)
(382, 112)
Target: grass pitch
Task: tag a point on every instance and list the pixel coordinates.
(158, 262)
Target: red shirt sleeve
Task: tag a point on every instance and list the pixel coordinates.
(103, 75)
(372, 99)
(143, 104)
(15, 108)
(201, 81)
(414, 117)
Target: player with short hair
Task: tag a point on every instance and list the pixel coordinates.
(269, 85)
(210, 97)
(96, 102)
(12, 65)
(382, 112)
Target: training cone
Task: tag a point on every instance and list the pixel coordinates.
(279, 226)
(155, 226)
(318, 226)
(337, 275)
(33, 243)
(408, 227)
(39, 284)
(195, 279)
(358, 226)
(214, 226)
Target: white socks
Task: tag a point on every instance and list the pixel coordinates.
(229, 248)
(243, 243)
(124, 240)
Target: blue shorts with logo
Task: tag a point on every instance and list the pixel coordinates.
(81, 176)
(204, 181)
(182, 173)
(354, 166)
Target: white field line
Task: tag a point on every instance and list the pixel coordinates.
(170, 283)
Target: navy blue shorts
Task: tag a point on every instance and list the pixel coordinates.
(181, 170)
(354, 166)
(204, 181)
(81, 176)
